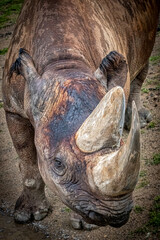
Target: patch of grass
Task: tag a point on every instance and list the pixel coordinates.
(142, 173)
(3, 51)
(157, 199)
(66, 209)
(142, 131)
(9, 11)
(147, 161)
(151, 125)
(1, 104)
(158, 87)
(154, 215)
(144, 90)
(154, 59)
(149, 81)
(153, 224)
(154, 80)
(138, 209)
(142, 184)
(156, 159)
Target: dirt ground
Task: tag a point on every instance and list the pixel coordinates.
(56, 225)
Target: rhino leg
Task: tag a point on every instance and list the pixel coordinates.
(78, 223)
(32, 203)
(135, 93)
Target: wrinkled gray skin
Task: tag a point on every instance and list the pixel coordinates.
(49, 93)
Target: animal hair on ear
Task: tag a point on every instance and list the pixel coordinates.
(111, 62)
(15, 67)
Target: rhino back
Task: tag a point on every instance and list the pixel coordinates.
(54, 30)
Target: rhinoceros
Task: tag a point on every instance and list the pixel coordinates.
(72, 70)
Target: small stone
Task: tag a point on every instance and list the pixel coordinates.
(40, 215)
(148, 235)
(30, 183)
(22, 216)
(65, 236)
(76, 223)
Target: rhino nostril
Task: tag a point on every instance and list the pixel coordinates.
(114, 221)
(92, 215)
(96, 217)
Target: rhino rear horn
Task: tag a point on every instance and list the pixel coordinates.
(104, 127)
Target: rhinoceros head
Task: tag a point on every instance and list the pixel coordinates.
(78, 136)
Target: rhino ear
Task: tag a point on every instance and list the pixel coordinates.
(112, 71)
(24, 65)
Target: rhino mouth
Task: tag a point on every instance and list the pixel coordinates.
(101, 220)
(114, 212)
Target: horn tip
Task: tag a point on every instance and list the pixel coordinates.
(118, 88)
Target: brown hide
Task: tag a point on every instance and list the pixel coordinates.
(57, 91)
(85, 30)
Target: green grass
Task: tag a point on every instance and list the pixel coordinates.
(158, 87)
(153, 81)
(142, 131)
(153, 224)
(1, 104)
(145, 90)
(151, 125)
(155, 59)
(66, 209)
(3, 51)
(147, 162)
(138, 209)
(156, 159)
(9, 10)
(142, 184)
(154, 214)
(149, 81)
(143, 173)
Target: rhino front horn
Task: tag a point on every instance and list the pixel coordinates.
(104, 127)
(116, 173)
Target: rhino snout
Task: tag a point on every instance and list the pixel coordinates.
(112, 211)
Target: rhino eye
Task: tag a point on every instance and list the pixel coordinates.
(58, 166)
